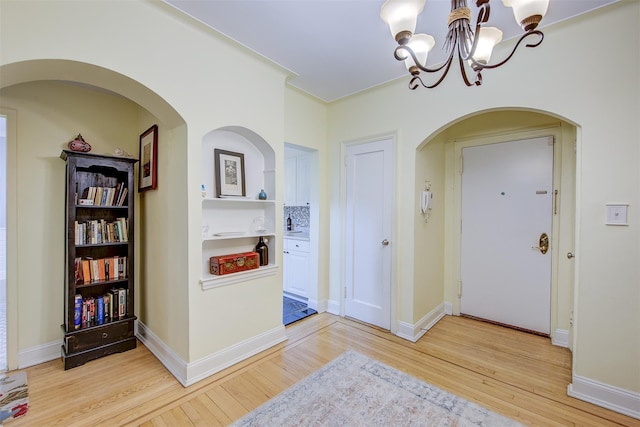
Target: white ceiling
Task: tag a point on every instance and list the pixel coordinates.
(339, 47)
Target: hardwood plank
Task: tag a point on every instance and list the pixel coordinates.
(519, 375)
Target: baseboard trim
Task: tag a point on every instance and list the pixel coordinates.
(190, 373)
(610, 397)
(318, 305)
(169, 358)
(560, 338)
(220, 360)
(39, 354)
(448, 308)
(333, 307)
(414, 332)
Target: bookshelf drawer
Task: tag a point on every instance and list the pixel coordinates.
(99, 336)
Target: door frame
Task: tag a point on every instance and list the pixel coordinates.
(562, 238)
(393, 312)
(12, 238)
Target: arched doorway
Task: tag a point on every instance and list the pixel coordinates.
(46, 120)
(492, 127)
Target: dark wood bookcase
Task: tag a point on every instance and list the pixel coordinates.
(99, 237)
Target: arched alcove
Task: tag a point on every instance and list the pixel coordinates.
(233, 224)
(92, 75)
(55, 99)
(438, 165)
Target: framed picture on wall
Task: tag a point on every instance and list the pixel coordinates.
(229, 173)
(148, 174)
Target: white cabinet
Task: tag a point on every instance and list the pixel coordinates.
(296, 180)
(296, 267)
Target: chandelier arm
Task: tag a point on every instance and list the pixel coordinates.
(530, 33)
(444, 74)
(483, 16)
(463, 72)
(413, 83)
(415, 59)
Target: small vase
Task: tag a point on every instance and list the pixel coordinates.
(79, 144)
(262, 195)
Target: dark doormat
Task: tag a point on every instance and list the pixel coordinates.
(293, 310)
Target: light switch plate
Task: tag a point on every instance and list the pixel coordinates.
(617, 214)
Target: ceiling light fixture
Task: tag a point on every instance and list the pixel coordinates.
(473, 47)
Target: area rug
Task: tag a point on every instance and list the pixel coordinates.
(14, 396)
(354, 390)
(293, 310)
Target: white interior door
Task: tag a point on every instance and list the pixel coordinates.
(506, 207)
(368, 232)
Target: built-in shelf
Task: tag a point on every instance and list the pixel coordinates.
(238, 236)
(239, 222)
(235, 200)
(229, 279)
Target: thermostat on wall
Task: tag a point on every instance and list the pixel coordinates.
(617, 214)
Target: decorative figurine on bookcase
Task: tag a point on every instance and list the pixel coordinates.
(79, 144)
(262, 195)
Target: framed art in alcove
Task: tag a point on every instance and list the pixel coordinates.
(148, 174)
(229, 173)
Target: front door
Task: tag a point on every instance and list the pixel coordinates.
(369, 204)
(507, 201)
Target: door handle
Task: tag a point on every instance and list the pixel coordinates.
(385, 242)
(570, 255)
(543, 244)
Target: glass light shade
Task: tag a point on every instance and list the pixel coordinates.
(523, 9)
(421, 44)
(401, 15)
(488, 37)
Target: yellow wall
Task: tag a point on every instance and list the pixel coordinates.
(552, 79)
(306, 125)
(151, 54)
(50, 114)
(194, 82)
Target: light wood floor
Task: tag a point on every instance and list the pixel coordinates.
(519, 375)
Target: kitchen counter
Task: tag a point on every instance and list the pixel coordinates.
(296, 235)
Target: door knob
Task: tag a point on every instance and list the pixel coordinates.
(385, 242)
(543, 244)
(570, 255)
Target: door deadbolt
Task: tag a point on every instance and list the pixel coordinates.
(543, 244)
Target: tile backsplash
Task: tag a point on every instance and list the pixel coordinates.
(299, 217)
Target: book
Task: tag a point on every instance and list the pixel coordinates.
(99, 311)
(86, 271)
(123, 197)
(78, 271)
(114, 296)
(122, 303)
(106, 300)
(77, 315)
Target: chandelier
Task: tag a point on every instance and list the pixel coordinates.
(473, 47)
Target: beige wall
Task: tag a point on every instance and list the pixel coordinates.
(552, 79)
(49, 115)
(150, 54)
(306, 125)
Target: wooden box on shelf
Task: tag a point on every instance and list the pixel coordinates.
(99, 257)
(234, 263)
